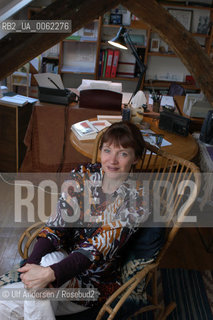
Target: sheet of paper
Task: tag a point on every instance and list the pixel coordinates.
(151, 139)
(167, 100)
(100, 84)
(49, 80)
(126, 97)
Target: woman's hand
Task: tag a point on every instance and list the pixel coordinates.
(34, 276)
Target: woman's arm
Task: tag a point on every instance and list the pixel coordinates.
(42, 247)
(34, 276)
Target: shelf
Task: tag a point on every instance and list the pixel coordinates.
(113, 26)
(201, 35)
(107, 44)
(77, 53)
(73, 69)
(166, 84)
(120, 78)
(135, 24)
(158, 54)
(138, 24)
(80, 40)
(168, 3)
(50, 58)
(140, 46)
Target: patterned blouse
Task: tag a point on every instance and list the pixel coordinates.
(97, 225)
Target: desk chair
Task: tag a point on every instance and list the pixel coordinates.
(100, 99)
(168, 177)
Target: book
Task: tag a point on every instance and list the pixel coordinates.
(115, 63)
(109, 63)
(104, 63)
(100, 124)
(100, 63)
(109, 118)
(87, 130)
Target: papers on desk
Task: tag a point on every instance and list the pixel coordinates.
(111, 119)
(99, 84)
(154, 139)
(16, 100)
(165, 101)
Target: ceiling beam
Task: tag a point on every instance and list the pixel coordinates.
(11, 7)
(180, 40)
(17, 49)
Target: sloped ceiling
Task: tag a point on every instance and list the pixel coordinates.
(9, 8)
(17, 49)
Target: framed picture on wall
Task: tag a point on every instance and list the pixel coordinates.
(182, 16)
(203, 25)
(155, 43)
(115, 18)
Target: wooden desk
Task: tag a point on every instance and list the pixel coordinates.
(196, 123)
(13, 123)
(184, 147)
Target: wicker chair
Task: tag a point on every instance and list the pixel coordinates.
(171, 174)
(174, 173)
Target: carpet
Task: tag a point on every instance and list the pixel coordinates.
(191, 290)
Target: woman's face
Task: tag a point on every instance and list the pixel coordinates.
(116, 160)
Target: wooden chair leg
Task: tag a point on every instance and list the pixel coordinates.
(167, 310)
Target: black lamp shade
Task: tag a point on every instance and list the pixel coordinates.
(119, 40)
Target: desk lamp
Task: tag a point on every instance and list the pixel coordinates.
(122, 40)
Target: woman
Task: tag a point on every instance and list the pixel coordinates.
(101, 206)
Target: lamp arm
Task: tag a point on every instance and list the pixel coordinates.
(134, 52)
(141, 65)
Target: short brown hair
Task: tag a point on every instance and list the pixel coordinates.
(125, 134)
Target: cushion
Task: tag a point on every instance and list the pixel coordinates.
(141, 250)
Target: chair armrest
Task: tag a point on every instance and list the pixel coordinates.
(27, 238)
(129, 286)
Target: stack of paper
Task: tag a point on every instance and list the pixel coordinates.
(17, 100)
(99, 84)
(87, 130)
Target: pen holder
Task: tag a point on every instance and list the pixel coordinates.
(156, 106)
(126, 114)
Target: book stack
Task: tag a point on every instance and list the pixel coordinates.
(16, 100)
(108, 63)
(116, 63)
(88, 130)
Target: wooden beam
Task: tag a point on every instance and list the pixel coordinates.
(17, 49)
(180, 40)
